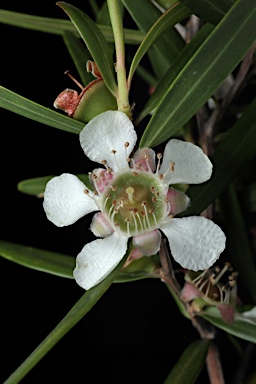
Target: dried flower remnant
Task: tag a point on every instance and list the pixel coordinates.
(134, 200)
(207, 289)
(94, 99)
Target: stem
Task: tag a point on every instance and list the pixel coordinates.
(213, 365)
(167, 275)
(118, 31)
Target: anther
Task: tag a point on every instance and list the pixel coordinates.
(114, 202)
(130, 192)
(143, 203)
(152, 189)
(86, 191)
(109, 170)
(172, 164)
(104, 162)
(113, 151)
(161, 176)
(126, 144)
(154, 199)
(135, 173)
(95, 192)
(159, 156)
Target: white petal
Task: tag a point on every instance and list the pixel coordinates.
(195, 242)
(65, 201)
(98, 258)
(106, 133)
(191, 165)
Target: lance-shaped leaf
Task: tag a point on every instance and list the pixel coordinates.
(36, 186)
(204, 73)
(170, 43)
(229, 158)
(211, 11)
(190, 364)
(79, 310)
(95, 42)
(174, 70)
(45, 261)
(171, 17)
(242, 326)
(59, 26)
(62, 265)
(238, 245)
(22, 106)
(80, 55)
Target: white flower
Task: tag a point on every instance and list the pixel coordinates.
(134, 200)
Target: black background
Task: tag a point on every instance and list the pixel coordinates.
(135, 333)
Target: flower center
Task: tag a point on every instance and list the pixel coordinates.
(135, 202)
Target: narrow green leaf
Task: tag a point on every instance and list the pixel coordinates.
(170, 43)
(22, 106)
(242, 327)
(204, 73)
(229, 158)
(95, 42)
(80, 55)
(79, 310)
(190, 364)
(102, 16)
(238, 246)
(36, 186)
(171, 17)
(58, 26)
(174, 70)
(62, 265)
(38, 259)
(251, 197)
(211, 11)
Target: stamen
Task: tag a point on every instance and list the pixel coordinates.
(199, 278)
(75, 81)
(105, 202)
(88, 193)
(135, 222)
(130, 192)
(132, 163)
(172, 164)
(149, 168)
(128, 227)
(138, 216)
(154, 216)
(159, 157)
(226, 267)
